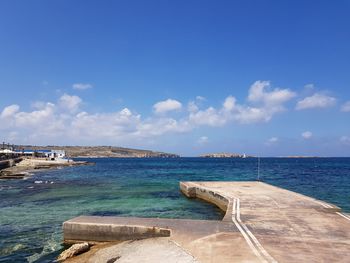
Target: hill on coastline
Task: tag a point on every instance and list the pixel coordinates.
(101, 151)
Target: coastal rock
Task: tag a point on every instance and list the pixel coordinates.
(73, 250)
(27, 165)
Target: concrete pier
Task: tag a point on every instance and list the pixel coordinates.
(262, 223)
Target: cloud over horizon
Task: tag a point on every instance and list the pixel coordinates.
(263, 104)
(166, 106)
(317, 100)
(67, 120)
(70, 102)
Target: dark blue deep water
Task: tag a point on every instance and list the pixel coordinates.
(32, 210)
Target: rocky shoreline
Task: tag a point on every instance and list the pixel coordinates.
(30, 165)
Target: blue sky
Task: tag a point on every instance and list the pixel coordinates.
(267, 78)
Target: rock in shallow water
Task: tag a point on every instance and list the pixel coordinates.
(73, 250)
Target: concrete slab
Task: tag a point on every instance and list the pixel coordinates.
(146, 251)
(281, 225)
(262, 223)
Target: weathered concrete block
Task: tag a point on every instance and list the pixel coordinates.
(191, 190)
(109, 232)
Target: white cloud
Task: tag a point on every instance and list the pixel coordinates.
(271, 103)
(70, 102)
(54, 121)
(346, 107)
(105, 125)
(316, 101)
(248, 115)
(192, 106)
(229, 103)
(64, 120)
(9, 111)
(259, 92)
(210, 117)
(160, 126)
(203, 140)
(38, 105)
(306, 135)
(37, 117)
(82, 86)
(167, 105)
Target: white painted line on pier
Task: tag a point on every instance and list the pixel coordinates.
(342, 215)
(323, 204)
(247, 239)
(255, 240)
(251, 240)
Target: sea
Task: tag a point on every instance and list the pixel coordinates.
(32, 210)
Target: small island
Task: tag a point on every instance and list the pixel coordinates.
(224, 155)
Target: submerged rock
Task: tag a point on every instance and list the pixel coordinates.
(73, 250)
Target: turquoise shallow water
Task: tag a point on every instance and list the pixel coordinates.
(32, 210)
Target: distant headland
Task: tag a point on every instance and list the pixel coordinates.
(19, 161)
(102, 151)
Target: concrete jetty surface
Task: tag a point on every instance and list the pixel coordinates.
(262, 223)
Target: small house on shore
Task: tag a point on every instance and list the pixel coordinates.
(52, 154)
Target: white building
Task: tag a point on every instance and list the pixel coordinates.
(56, 154)
(52, 154)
